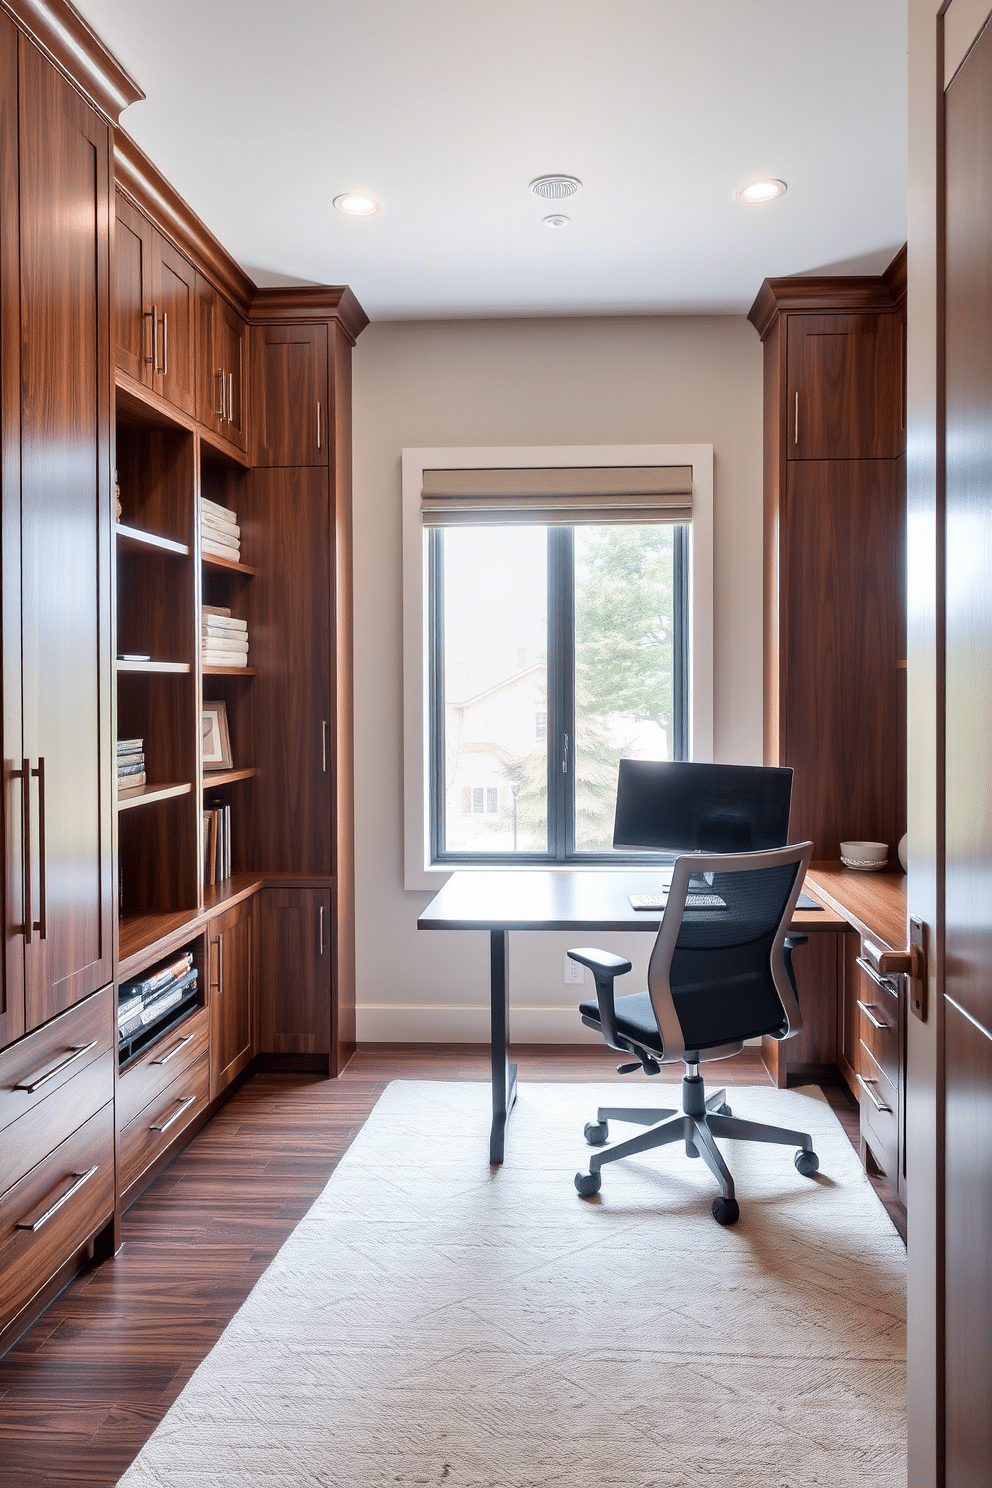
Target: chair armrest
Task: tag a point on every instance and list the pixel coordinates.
(605, 969)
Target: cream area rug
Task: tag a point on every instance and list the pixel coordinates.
(435, 1321)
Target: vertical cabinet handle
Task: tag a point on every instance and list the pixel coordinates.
(220, 411)
(564, 754)
(150, 315)
(321, 921)
(216, 981)
(155, 365)
(165, 343)
(795, 438)
(323, 745)
(41, 924)
(318, 423)
(25, 773)
(230, 397)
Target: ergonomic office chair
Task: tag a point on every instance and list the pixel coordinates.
(717, 975)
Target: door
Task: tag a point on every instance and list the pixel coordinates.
(65, 540)
(289, 395)
(230, 940)
(221, 364)
(295, 973)
(133, 251)
(232, 339)
(174, 297)
(845, 387)
(967, 972)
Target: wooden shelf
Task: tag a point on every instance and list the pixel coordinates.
(222, 671)
(873, 903)
(154, 666)
(212, 778)
(133, 539)
(145, 794)
(227, 565)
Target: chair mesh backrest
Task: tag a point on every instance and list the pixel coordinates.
(721, 975)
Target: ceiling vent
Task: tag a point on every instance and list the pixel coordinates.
(555, 188)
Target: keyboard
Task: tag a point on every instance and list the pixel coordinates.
(692, 901)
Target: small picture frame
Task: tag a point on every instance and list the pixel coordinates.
(216, 738)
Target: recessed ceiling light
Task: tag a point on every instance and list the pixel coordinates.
(556, 221)
(356, 204)
(765, 190)
(555, 188)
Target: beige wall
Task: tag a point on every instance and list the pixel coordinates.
(595, 381)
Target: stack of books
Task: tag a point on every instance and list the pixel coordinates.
(130, 763)
(216, 844)
(223, 637)
(145, 1002)
(220, 535)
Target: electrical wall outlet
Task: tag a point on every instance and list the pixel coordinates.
(573, 971)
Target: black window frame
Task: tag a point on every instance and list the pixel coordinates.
(561, 706)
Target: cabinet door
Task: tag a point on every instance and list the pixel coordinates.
(232, 339)
(294, 984)
(289, 395)
(230, 941)
(65, 539)
(134, 239)
(221, 364)
(845, 387)
(174, 294)
(209, 373)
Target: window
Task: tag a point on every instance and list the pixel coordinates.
(554, 652)
(516, 652)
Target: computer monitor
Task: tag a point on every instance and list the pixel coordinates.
(677, 807)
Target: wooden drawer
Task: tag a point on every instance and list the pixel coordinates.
(879, 1113)
(40, 1130)
(878, 1009)
(160, 1064)
(151, 1131)
(66, 1203)
(35, 1067)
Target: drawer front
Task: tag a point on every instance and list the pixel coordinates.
(37, 1066)
(40, 1130)
(879, 1114)
(876, 1006)
(160, 1064)
(64, 1201)
(151, 1131)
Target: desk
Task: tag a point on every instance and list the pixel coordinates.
(555, 899)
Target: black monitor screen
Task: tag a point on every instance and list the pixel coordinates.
(674, 806)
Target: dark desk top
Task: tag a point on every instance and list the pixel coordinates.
(562, 899)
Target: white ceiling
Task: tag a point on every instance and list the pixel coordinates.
(260, 111)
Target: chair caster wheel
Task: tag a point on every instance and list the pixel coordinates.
(724, 1110)
(806, 1163)
(726, 1211)
(596, 1133)
(588, 1184)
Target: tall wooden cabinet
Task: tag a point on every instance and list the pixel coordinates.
(140, 367)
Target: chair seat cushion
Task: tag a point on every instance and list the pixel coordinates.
(635, 1018)
(636, 1021)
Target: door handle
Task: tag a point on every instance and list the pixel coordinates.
(41, 924)
(152, 315)
(220, 411)
(25, 774)
(323, 745)
(230, 397)
(165, 343)
(321, 923)
(318, 423)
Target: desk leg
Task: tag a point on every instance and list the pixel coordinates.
(504, 1073)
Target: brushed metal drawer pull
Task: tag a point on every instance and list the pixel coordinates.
(886, 984)
(35, 1083)
(184, 1105)
(41, 924)
(868, 1008)
(152, 315)
(230, 397)
(796, 436)
(173, 1052)
(220, 411)
(35, 1225)
(25, 774)
(165, 343)
(866, 1087)
(318, 423)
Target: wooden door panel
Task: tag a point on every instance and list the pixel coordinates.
(133, 248)
(232, 336)
(845, 387)
(289, 395)
(843, 603)
(12, 967)
(230, 941)
(175, 294)
(208, 370)
(65, 496)
(294, 984)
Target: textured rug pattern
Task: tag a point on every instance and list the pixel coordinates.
(433, 1321)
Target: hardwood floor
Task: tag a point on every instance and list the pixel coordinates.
(86, 1386)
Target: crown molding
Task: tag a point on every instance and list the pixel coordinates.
(815, 294)
(59, 31)
(301, 302)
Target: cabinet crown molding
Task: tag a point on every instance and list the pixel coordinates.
(304, 302)
(59, 31)
(825, 293)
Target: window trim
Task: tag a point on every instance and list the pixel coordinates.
(419, 871)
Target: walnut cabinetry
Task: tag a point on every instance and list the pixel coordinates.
(155, 290)
(221, 364)
(231, 955)
(289, 395)
(296, 929)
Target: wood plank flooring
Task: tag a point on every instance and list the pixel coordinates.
(85, 1387)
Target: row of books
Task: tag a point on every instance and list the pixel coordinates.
(146, 1000)
(223, 637)
(220, 535)
(216, 844)
(130, 763)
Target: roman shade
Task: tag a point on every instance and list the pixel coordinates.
(558, 496)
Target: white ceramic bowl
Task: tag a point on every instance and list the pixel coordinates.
(867, 856)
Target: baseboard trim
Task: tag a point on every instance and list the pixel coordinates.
(397, 1024)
